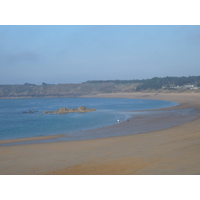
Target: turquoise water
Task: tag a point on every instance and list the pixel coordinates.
(16, 124)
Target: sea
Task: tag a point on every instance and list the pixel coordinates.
(16, 122)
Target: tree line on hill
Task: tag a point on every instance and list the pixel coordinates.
(168, 82)
(29, 90)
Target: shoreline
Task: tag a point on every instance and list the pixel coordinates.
(43, 139)
(173, 150)
(112, 95)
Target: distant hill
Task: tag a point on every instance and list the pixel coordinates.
(100, 86)
(63, 90)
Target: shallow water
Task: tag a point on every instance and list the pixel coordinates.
(75, 126)
(142, 121)
(16, 124)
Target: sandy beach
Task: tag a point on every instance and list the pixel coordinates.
(170, 151)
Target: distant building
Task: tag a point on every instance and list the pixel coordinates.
(191, 87)
(195, 88)
(175, 87)
(188, 86)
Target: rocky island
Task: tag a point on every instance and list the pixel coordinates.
(63, 111)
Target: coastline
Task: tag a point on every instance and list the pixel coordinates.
(144, 153)
(49, 138)
(30, 140)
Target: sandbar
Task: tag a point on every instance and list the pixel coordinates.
(170, 151)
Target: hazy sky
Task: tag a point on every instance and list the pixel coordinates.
(74, 54)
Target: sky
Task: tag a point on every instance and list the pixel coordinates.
(76, 53)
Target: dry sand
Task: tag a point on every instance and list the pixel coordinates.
(174, 150)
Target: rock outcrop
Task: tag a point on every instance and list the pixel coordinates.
(63, 111)
(30, 111)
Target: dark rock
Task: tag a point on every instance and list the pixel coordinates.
(63, 111)
(30, 111)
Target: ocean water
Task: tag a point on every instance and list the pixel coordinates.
(14, 123)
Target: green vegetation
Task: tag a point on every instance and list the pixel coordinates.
(169, 83)
(29, 90)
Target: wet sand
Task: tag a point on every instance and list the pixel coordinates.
(174, 150)
(29, 139)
